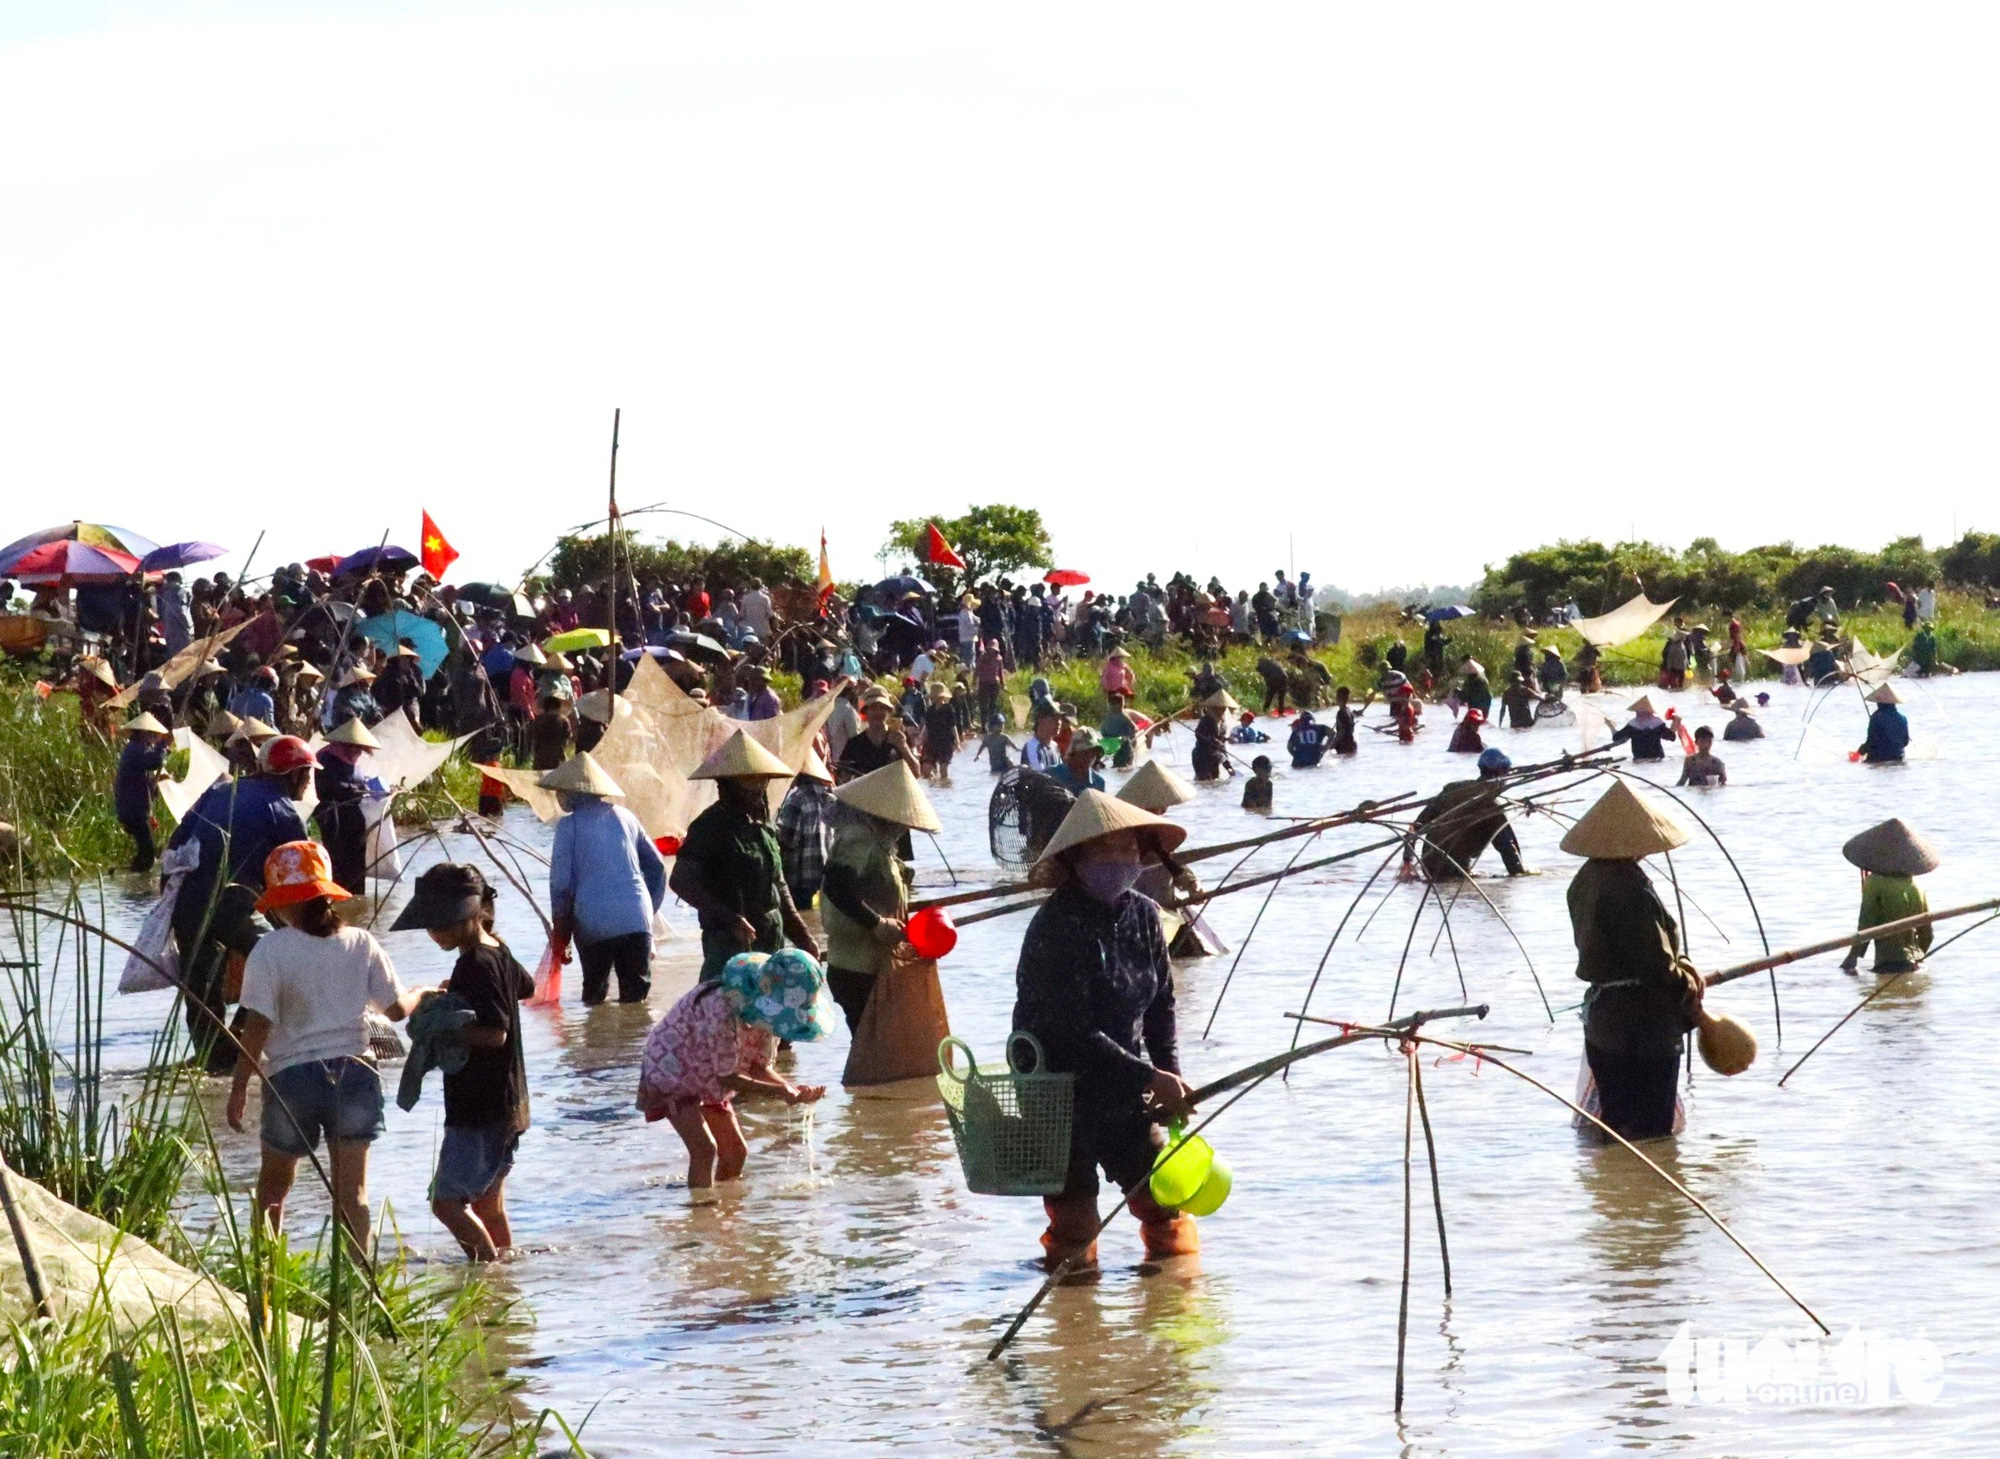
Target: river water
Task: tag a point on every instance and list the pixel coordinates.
(841, 1299)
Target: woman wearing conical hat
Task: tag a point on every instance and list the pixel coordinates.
(1644, 996)
(730, 868)
(865, 897)
(1888, 732)
(1645, 731)
(342, 822)
(1095, 987)
(606, 880)
(142, 763)
(1891, 857)
(1157, 789)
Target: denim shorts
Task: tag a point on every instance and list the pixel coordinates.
(472, 1160)
(340, 1099)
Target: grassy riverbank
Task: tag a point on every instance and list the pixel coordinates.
(55, 788)
(317, 1359)
(1968, 639)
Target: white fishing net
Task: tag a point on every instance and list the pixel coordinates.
(86, 1261)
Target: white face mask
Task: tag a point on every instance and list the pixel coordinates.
(1107, 876)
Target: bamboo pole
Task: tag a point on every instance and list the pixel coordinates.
(1403, 1301)
(31, 1263)
(1244, 1079)
(1888, 982)
(1699, 1204)
(1834, 944)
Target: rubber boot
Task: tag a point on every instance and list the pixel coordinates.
(1170, 1234)
(1072, 1232)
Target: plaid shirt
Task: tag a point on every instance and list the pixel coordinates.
(805, 832)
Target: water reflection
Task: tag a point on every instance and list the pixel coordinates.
(841, 1299)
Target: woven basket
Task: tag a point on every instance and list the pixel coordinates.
(1011, 1126)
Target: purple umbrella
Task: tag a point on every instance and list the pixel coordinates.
(385, 559)
(179, 554)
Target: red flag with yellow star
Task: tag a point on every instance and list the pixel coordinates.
(438, 553)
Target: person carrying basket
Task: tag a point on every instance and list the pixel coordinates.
(1095, 987)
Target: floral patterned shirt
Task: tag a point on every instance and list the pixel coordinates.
(694, 1048)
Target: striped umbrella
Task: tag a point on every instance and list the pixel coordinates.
(73, 562)
(92, 534)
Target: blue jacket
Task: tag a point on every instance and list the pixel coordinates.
(132, 787)
(1888, 735)
(604, 872)
(1308, 743)
(237, 823)
(252, 703)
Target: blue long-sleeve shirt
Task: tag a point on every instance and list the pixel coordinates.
(132, 787)
(251, 702)
(604, 872)
(237, 824)
(1888, 735)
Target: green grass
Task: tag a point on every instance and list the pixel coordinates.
(1968, 639)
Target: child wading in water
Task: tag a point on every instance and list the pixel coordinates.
(1257, 789)
(718, 1042)
(486, 1101)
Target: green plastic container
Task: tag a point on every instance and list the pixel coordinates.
(1011, 1126)
(1192, 1178)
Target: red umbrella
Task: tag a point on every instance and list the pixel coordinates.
(71, 561)
(328, 563)
(1064, 577)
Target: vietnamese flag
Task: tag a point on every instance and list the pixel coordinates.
(938, 551)
(438, 553)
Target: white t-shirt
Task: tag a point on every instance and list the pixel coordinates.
(317, 991)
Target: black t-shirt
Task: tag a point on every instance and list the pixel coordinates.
(861, 755)
(492, 1088)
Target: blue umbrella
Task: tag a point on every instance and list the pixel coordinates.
(180, 554)
(653, 650)
(389, 629)
(904, 583)
(1298, 636)
(1445, 615)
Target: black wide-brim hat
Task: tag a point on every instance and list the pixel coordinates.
(446, 895)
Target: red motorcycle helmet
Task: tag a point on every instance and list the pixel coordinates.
(284, 755)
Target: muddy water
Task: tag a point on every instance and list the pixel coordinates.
(840, 1300)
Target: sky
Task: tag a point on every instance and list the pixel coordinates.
(1383, 292)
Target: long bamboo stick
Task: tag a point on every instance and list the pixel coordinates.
(1833, 944)
(24, 1244)
(1245, 1080)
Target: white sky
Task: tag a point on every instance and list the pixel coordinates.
(1413, 285)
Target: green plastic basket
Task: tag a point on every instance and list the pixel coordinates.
(1011, 1126)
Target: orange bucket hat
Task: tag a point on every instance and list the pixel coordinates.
(298, 871)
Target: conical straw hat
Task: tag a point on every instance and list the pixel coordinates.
(1096, 815)
(1220, 700)
(814, 767)
(1884, 695)
(100, 671)
(1891, 849)
(595, 705)
(1642, 705)
(221, 724)
(1622, 827)
(582, 774)
(143, 724)
(359, 674)
(529, 653)
(253, 729)
(891, 793)
(1475, 668)
(742, 758)
(310, 671)
(1154, 788)
(353, 732)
